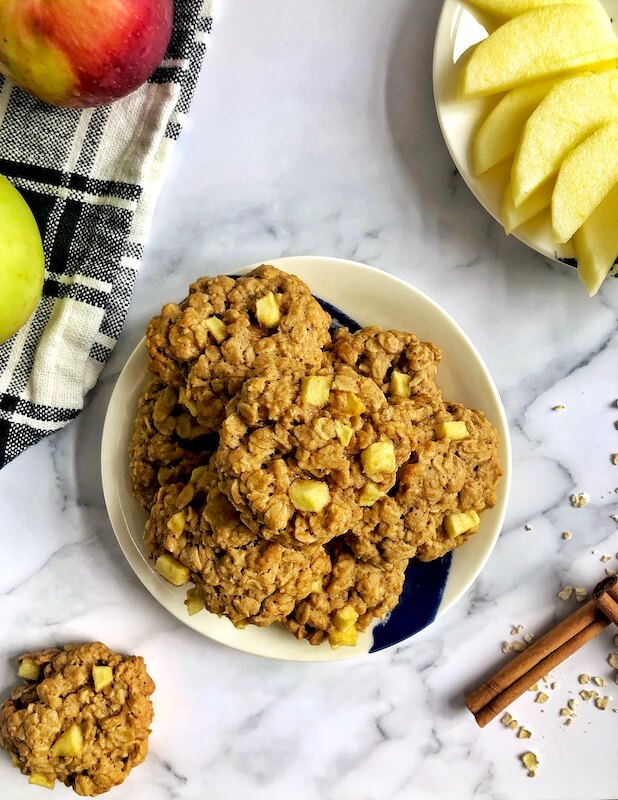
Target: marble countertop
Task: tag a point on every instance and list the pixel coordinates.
(313, 131)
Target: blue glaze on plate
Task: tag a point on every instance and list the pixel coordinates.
(425, 582)
(418, 605)
(339, 319)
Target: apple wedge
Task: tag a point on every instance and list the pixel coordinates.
(596, 243)
(514, 217)
(587, 174)
(506, 9)
(570, 112)
(538, 45)
(499, 135)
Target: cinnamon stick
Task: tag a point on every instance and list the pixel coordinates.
(544, 655)
(606, 597)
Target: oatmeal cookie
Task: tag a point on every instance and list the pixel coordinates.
(442, 477)
(229, 326)
(59, 726)
(236, 573)
(301, 455)
(449, 477)
(370, 590)
(398, 362)
(167, 442)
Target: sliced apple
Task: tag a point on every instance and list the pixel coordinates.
(571, 111)
(498, 136)
(596, 243)
(538, 45)
(587, 174)
(514, 217)
(513, 8)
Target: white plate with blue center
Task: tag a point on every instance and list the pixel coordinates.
(355, 295)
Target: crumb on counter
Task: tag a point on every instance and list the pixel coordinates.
(567, 535)
(565, 593)
(579, 499)
(516, 629)
(559, 407)
(513, 647)
(531, 763)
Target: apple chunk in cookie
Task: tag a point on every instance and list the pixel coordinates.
(82, 718)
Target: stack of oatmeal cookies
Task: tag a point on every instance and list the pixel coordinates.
(290, 470)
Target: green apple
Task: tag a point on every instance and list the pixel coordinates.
(541, 44)
(22, 261)
(586, 176)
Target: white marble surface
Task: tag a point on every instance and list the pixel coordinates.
(313, 131)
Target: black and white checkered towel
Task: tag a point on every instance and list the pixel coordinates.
(91, 178)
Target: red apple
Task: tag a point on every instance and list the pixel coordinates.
(81, 53)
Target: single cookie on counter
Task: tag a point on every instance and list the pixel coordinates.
(82, 717)
(207, 344)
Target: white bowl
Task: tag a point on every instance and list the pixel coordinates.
(371, 297)
(460, 27)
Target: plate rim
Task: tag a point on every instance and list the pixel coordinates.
(151, 581)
